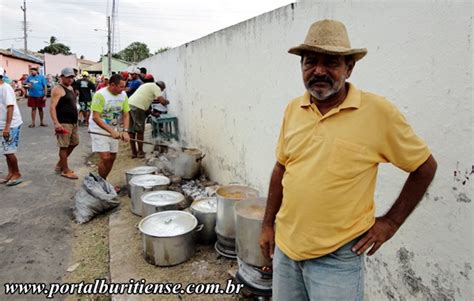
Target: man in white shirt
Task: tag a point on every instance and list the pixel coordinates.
(10, 123)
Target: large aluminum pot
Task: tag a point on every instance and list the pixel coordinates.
(168, 237)
(205, 210)
(248, 224)
(163, 200)
(227, 197)
(139, 171)
(141, 184)
(187, 163)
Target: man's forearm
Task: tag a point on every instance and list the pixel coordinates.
(412, 192)
(103, 125)
(126, 120)
(9, 119)
(275, 196)
(52, 112)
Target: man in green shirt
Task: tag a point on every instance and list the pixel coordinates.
(109, 108)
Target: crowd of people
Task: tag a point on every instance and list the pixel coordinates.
(112, 108)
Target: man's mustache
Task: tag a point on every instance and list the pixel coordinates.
(318, 79)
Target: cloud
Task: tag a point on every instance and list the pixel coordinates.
(155, 23)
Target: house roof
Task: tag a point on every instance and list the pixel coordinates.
(20, 55)
(97, 67)
(85, 62)
(104, 57)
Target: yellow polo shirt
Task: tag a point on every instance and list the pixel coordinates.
(331, 166)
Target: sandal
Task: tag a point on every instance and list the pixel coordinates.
(14, 182)
(70, 175)
(31, 126)
(44, 125)
(4, 180)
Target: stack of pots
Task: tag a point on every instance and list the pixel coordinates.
(139, 171)
(142, 184)
(205, 210)
(227, 197)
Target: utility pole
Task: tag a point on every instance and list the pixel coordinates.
(109, 45)
(25, 35)
(113, 25)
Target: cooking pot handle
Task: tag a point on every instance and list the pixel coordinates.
(199, 228)
(200, 158)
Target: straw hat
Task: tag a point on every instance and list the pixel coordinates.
(329, 37)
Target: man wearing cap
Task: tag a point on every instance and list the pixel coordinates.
(84, 87)
(140, 103)
(319, 220)
(134, 82)
(10, 124)
(63, 112)
(37, 91)
(109, 108)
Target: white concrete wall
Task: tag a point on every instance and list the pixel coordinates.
(229, 90)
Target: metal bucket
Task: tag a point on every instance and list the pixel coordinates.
(227, 197)
(141, 184)
(168, 237)
(158, 201)
(248, 224)
(139, 171)
(205, 210)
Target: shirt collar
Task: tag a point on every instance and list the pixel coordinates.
(352, 99)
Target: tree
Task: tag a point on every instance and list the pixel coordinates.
(162, 49)
(135, 52)
(54, 47)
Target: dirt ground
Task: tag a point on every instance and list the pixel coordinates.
(110, 247)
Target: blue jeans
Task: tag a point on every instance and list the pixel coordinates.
(335, 276)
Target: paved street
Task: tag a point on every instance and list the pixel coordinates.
(35, 216)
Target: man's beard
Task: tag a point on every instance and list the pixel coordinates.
(335, 87)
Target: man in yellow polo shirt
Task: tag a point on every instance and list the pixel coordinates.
(319, 219)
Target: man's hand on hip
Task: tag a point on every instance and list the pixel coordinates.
(381, 231)
(267, 241)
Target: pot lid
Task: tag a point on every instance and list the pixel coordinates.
(207, 205)
(168, 223)
(236, 192)
(251, 209)
(162, 198)
(142, 170)
(149, 180)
